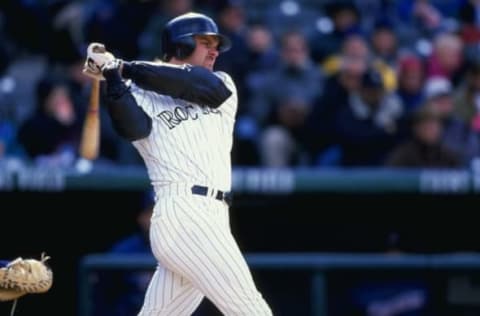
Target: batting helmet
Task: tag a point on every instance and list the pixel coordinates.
(177, 36)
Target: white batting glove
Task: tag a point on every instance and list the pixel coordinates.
(91, 70)
(97, 57)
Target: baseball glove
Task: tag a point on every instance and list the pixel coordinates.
(25, 276)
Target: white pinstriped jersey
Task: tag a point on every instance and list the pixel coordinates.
(190, 234)
(189, 143)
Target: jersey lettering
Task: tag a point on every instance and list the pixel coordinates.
(183, 113)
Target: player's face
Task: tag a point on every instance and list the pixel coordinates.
(206, 51)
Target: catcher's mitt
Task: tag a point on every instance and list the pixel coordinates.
(24, 276)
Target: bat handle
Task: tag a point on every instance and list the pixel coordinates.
(94, 96)
(89, 143)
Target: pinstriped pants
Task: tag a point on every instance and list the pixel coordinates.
(198, 257)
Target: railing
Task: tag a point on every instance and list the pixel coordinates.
(20, 177)
(317, 263)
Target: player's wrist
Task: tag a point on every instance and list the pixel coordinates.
(127, 69)
(111, 71)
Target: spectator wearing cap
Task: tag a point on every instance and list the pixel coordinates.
(438, 90)
(370, 125)
(411, 78)
(457, 136)
(424, 148)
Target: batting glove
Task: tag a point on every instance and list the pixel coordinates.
(97, 57)
(91, 70)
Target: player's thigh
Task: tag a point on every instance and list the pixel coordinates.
(198, 245)
(170, 294)
(220, 271)
(194, 242)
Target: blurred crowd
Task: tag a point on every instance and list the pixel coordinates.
(321, 83)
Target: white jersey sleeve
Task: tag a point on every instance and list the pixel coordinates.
(230, 105)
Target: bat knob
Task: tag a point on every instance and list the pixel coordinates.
(83, 166)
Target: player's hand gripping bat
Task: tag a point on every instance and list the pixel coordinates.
(97, 56)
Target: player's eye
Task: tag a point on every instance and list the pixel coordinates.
(207, 44)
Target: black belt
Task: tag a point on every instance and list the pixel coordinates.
(220, 195)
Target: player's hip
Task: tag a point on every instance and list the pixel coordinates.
(219, 193)
(179, 206)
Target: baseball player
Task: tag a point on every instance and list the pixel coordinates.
(179, 115)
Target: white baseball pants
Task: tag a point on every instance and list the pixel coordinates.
(198, 257)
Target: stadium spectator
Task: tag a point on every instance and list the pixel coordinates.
(411, 79)
(356, 47)
(297, 76)
(457, 136)
(424, 149)
(467, 96)
(340, 84)
(263, 55)
(284, 142)
(346, 20)
(262, 51)
(51, 136)
(371, 123)
(446, 59)
(384, 42)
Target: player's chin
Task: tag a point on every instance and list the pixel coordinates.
(209, 64)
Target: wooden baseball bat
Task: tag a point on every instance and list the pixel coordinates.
(90, 141)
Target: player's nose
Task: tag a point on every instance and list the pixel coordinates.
(213, 52)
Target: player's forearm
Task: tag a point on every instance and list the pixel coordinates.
(194, 84)
(128, 119)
